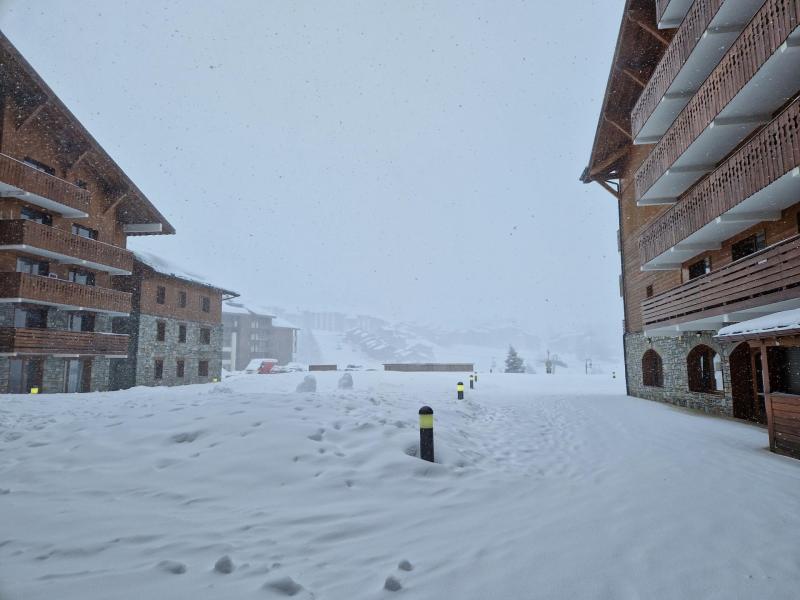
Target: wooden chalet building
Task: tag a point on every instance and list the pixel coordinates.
(175, 327)
(66, 211)
(699, 142)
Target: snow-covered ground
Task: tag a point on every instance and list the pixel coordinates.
(548, 487)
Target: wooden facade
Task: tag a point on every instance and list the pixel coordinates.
(733, 224)
(66, 210)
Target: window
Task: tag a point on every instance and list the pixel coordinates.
(202, 368)
(701, 267)
(182, 334)
(25, 374)
(649, 291)
(84, 232)
(81, 277)
(77, 375)
(180, 367)
(81, 322)
(38, 165)
(182, 299)
(158, 370)
(161, 331)
(161, 294)
(33, 267)
(652, 369)
(36, 216)
(33, 318)
(205, 335)
(704, 370)
(749, 245)
(206, 303)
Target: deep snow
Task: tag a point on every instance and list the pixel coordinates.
(548, 487)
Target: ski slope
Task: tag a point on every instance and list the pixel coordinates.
(545, 487)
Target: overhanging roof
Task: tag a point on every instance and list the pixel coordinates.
(134, 206)
(639, 47)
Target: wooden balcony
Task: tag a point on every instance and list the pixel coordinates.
(766, 158)
(21, 287)
(25, 341)
(670, 13)
(19, 180)
(721, 103)
(686, 40)
(766, 277)
(64, 247)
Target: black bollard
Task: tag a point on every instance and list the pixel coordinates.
(472, 382)
(460, 390)
(476, 377)
(426, 433)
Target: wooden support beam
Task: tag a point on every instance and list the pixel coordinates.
(80, 158)
(634, 18)
(609, 161)
(32, 115)
(632, 76)
(618, 127)
(607, 187)
(116, 201)
(767, 395)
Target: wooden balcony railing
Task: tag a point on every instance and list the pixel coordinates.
(681, 46)
(20, 231)
(16, 173)
(57, 341)
(59, 291)
(768, 276)
(768, 30)
(768, 156)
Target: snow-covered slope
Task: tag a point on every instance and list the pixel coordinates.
(547, 487)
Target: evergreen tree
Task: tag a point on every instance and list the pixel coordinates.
(514, 363)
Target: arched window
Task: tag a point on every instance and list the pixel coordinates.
(652, 369)
(704, 369)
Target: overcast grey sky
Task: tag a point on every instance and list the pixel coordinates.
(410, 159)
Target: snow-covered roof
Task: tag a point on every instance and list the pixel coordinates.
(241, 308)
(762, 326)
(279, 322)
(166, 267)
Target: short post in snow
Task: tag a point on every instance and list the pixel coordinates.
(476, 377)
(460, 390)
(426, 433)
(613, 374)
(472, 382)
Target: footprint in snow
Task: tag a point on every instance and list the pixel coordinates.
(392, 584)
(317, 437)
(404, 565)
(285, 586)
(224, 565)
(187, 437)
(172, 566)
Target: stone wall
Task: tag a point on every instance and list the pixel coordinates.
(139, 368)
(674, 352)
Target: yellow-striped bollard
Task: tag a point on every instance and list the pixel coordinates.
(460, 390)
(426, 433)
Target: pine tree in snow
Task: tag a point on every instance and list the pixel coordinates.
(514, 363)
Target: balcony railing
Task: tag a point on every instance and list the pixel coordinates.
(685, 40)
(768, 30)
(55, 341)
(771, 275)
(767, 157)
(80, 250)
(17, 174)
(58, 292)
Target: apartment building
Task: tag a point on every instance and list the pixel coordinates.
(251, 332)
(66, 211)
(698, 141)
(175, 327)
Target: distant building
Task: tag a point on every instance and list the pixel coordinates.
(175, 328)
(250, 332)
